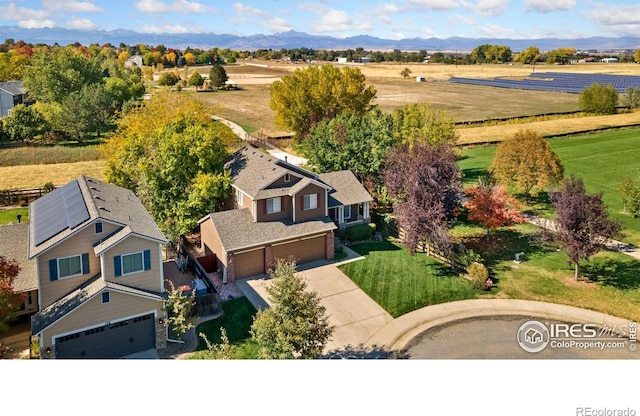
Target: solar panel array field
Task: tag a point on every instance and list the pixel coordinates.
(557, 82)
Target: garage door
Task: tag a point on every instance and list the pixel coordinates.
(303, 251)
(109, 341)
(249, 263)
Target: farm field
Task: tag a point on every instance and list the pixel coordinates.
(33, 176)
(603, 160)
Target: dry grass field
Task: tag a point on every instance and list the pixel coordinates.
(249, 106)
(33, 176)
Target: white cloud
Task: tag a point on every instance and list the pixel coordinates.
(13, 12)
(389, 8)
(465, 20)
(278, 24)
(166, 29)
(178, 6)
(547, 6)
(340, 21)
(435, 4)
(495, 31)
(243, 10)
(71, 6)
(611, 15)
(487, 7)
(83, 24)
(35, 24)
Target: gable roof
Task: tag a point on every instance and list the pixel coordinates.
(252, 171)
(65, 210)
(82, 294)
(13, 87)
(13, 245)
(347, 189)
(238, 231)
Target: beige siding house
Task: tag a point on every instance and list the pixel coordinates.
(100, 280)
(281, 211)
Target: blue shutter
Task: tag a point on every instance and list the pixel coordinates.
(147, 259)
(85, 263)
(53, 269)
(117, 266)
(98, 227)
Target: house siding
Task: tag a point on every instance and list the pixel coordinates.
(301, 214)
(146, 279)
(95, 313)
(210, 242)
(80, 243)
(285, 206)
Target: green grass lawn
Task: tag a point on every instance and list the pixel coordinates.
(7, 216)
(602, 160)
(236, 319)
(401, 283)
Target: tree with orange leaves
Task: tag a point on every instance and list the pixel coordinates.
(491, 206)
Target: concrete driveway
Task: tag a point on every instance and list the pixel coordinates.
(355, 315)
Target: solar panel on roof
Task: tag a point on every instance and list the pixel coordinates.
(57, 211)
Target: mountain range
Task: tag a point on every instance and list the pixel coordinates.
(293, 39)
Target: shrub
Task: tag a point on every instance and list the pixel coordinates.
(168, 79)
(632, 98)
(359, 232)
(599, 99)
(479, 274)
(48, 187)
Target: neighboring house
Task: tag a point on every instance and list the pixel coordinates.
(13, 246)
(135, 60)
(98, 256)
(281, 210)
(12, 93)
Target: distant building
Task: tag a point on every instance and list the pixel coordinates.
(420, 79)
(342, 60)
(610, 60)
(134, 60)
(12, 93)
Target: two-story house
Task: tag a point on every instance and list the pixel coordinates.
(12, 93)
(98, 256)
(281, 210)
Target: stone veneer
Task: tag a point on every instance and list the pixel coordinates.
(329, 241)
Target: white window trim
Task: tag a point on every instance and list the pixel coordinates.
(312, 197)
(122, 273)
(71, 275)
(273, 211)
(239, 197)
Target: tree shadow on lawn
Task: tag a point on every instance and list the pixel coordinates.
(471, 175)
(624, 275)
(367, 248)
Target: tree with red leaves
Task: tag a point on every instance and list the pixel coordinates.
(582, 221)
(491, 206)
(9, 301)
(424, 184)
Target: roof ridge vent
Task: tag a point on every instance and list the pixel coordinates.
(93, 188)
(99, 197)
(103, 208)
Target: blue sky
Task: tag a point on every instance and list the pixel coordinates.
(390, 19)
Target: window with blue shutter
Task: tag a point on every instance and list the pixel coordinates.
(85, 263)
(147, 259)
(53, 269)
(117, 266)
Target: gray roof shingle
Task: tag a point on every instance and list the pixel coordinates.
(102, 201)
(13, 245)
(237, 230)
(13, 87)
(347, 189)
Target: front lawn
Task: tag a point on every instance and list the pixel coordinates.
(401, 283)
(236, 319)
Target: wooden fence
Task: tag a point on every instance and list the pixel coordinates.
(267, 142)
(21, 196)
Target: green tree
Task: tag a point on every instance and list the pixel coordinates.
(168, 79)
(526, 161)
(218, 76)
(9, 300)
(599, 99)
(90, 110)
(296, 325)
(25, 123)
(310, 95)
(420, 123)
(179, 307)
(636, 55)
(196, 80)
(560, 56)
(632, 97)
(405, 73)
(630, 194)
(171, 154)
(53, 76)
(349, 141)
